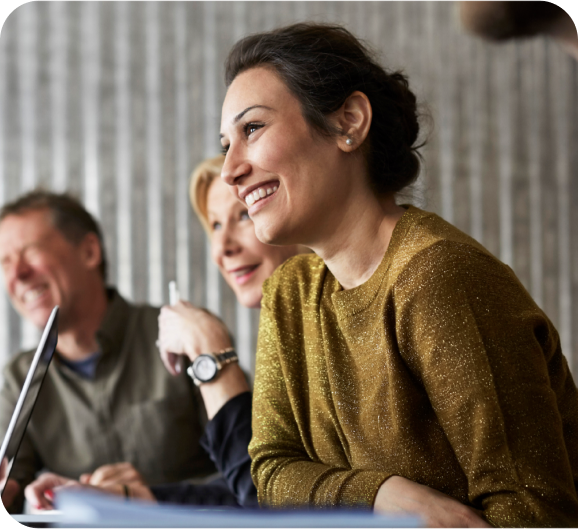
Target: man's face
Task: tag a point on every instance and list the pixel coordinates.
(41, 267)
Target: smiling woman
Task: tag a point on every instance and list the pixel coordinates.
(243, 260)
(184, 329)
(403, 367)
(190, 331)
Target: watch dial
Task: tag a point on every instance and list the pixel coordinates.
(205, 369)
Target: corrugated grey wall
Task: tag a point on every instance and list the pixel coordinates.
(118, 101)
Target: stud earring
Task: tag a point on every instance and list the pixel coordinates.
(349, 141)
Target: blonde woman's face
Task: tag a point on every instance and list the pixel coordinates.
(243, 260)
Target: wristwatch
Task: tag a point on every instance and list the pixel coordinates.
(206, 367)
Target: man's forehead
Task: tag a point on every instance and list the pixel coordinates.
(26, 226)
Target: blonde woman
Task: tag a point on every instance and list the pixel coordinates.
(184, 329)
(189, 331)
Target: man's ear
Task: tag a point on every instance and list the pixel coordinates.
(91, 251)
(354, 119)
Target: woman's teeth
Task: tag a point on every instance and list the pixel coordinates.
(258, 194)
(243, 271)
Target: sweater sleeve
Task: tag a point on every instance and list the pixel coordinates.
(285, 467)
(491, 364)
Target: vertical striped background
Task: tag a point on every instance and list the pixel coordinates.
(118, 101)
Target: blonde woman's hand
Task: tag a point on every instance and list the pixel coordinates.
(188, 330)
(113, 474)
(398, 494)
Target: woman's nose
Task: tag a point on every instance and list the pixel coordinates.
(226, 244)
(235, 167)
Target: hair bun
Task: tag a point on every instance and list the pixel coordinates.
(322, 65)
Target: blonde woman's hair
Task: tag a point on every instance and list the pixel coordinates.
(201, 180)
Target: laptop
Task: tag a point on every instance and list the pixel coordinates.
(29, 394)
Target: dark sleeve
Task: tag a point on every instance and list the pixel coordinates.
(226, 439)
(215, 492)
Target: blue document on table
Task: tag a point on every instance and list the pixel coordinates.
(80, 508)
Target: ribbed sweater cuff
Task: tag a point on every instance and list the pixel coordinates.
(361, 488)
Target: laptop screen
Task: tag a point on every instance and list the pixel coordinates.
(30, 390)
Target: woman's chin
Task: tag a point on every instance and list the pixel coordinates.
(265, 235)
(250, 299)
(249, 293)
(273, 234)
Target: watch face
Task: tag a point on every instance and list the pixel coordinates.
(205, 368)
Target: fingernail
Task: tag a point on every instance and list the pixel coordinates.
(178, 367)
(50, 494)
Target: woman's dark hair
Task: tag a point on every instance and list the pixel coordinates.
(322, 65)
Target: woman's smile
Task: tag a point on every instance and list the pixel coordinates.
(243, 260)
(260, 194)
(243, 274)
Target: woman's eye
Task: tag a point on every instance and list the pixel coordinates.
(245, 215)
(249, 128)
(216, 226)
(224, 149)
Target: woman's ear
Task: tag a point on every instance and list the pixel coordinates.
(354, 119)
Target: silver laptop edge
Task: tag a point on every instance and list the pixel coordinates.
(26, 386)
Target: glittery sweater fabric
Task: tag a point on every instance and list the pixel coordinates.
(440, 368)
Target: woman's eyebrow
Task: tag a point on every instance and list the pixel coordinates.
(242, 113)
(237, 118)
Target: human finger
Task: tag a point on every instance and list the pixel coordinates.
(167, 358)
(445, 511)
(169, 361)
(40, 492)
(105, 472)
(165, 342)
(123, 472)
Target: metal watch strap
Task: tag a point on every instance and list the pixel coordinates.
(222, 358)
(226, 356)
